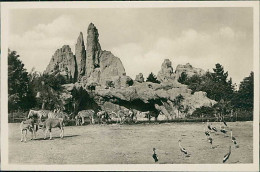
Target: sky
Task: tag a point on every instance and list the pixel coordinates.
(142, 38)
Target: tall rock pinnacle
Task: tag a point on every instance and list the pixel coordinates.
(93, 49)
(80, 54)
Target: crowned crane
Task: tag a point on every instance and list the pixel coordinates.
(215, 129)
(183, 150)
(210, 140)
(206, 132)
(155, 157)
(227, 155)
(233, 139)
(209, 127)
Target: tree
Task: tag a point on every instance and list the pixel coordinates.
(47, 90)
(177, 102)
(183, 78)
(152, 78)
(244, 97)
(19, 93)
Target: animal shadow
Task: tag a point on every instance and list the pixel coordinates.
(55, 137)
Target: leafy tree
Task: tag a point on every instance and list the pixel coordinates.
(203, 112)
(152, 78)
(244, 97)
(47, 90)
(177, 102)
(183, 78)
(19, 93)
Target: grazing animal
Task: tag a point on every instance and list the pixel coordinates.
(86, 114)
(50, 123)
(102, 115)
(155, 157)
(233, 139)
(227, 155)
(183, 150)
(27, 125)
(206, 132)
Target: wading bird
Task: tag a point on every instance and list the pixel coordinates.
(215, 129)
(206, 132)
(181, 148)
(209, 127)
(210, 140)
(155, 157)
(227, 155)
(233, 139)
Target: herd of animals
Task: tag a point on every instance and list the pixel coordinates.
(46, 120)
(208, 133)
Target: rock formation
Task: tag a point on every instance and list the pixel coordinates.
(93, 49)
(166, 72)
(80, 54)
(139, 78)
(63, 62)
(189, 70)
(103, 75)
(101, 66)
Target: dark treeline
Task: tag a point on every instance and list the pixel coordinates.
(27, 90)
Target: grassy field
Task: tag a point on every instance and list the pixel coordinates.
(132, 144)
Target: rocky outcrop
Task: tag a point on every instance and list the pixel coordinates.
(166, 73)
(139, 78)
(102, 66)
(189, 70)
(63, 62)
(80, 54)
(93, 49)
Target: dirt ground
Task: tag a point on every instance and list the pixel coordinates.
(132, 144)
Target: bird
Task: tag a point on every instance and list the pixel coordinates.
(181, 148)
(209, 127)
(155, 157)
(222, 130)
(210, 140)
(224, 123)
(233, 139)
(227, 155)
(206, 132)
(215, 129)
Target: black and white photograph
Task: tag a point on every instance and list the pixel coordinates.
(152, 85)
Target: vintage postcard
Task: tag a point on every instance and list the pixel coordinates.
(153, 86)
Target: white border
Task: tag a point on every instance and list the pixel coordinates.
(6, 6)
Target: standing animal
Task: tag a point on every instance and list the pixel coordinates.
(78, 120)
(39, 114)
(155, 157)
(50, 123)
(209, 127)
(183, 150)
(227, 155)
(59, 114)
(102, 116)
(233, 139)
(206, 132)
(86, 114)
(210, 140)
(114, 116)
(27, 125)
